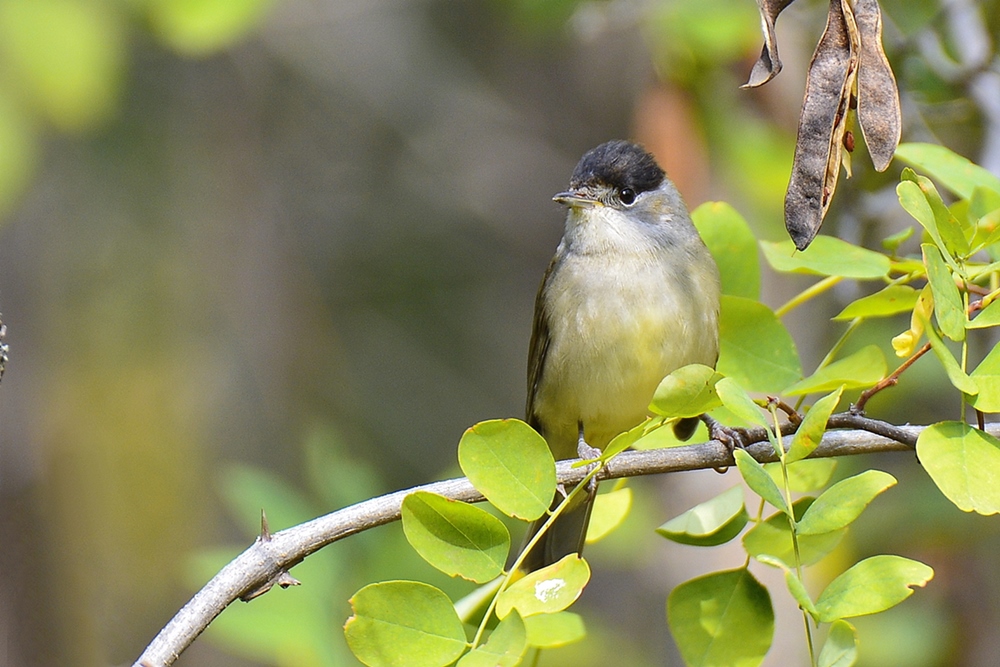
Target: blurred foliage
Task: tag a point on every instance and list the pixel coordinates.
(64, 63)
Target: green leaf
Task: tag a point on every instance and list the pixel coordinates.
(687, 392)
(826, 256)
(987, 317)
(733, 246)
(873, 585)
(964, 462)
(505, 647)
(983, 202)
(721, 619)
(457, 538)
(623, 441)
(988, 233)
(755, 348)
(892, 243)
(758, 480)
(891, 300)
(841, 646)
(473, 605)
(804, 476)
(842, 503)
(953, 171)
(798, 590)
(712, 522)
(948, 305)
(608, 512)
(987, 378)
(951, 231)
(861, 369)
(739, 402)
(404, 624)
(959, 378)
(773, 538)
(202, 27)
(554, 630)
(510, 464)
(547, 590)
(913, 201)
(810, 432)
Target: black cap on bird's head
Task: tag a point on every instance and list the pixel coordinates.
(618, 165)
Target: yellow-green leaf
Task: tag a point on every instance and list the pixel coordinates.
(547, 590)
(756, 349)
(888, 301)
(861, 369)
(510, 464)
(609, 511)
(732, 244)
(873, 585)
(948, 306)
(710, 523)
(964, 462)
(953, 171)
(827, 256)
(723, 618)
(404, 624)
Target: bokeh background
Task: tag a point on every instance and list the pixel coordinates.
(281, 253)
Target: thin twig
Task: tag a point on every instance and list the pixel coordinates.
(888, 381)
(792, 414)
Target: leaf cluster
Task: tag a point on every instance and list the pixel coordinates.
(948, 292)
(415, 624)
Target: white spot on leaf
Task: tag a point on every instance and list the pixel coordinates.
(548, 589)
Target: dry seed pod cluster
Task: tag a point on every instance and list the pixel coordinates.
(848, 71)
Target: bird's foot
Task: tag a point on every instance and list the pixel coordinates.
(586, 452)
(731, 437)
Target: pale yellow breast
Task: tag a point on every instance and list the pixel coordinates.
(617, 327)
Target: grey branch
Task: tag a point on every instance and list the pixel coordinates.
(267, 561)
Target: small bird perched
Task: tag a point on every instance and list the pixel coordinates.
(631, 295)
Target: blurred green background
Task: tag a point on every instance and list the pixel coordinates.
(281, 253)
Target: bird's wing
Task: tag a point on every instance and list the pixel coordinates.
(538, 348)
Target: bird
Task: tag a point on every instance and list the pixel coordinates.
(631, 294)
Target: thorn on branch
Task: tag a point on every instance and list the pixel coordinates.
(265, 530)
(282, 579)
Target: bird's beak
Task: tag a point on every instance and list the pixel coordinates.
(575, 199)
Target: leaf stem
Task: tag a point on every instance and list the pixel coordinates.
(965, 348)
(855, 323)
(808, 293)
(792, 527)
(560, 508)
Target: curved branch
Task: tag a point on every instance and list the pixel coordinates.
(267, 561)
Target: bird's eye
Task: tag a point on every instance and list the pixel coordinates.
(627, 196)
